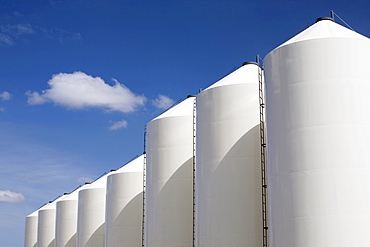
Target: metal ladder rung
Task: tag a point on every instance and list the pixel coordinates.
(263, 152)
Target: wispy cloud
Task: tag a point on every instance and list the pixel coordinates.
(10, 34)
(81, 91)
(5, 95)
(119, 125)
(163, 102)
(6, 39)
(16, 30)
(61, 35)
(10, 196)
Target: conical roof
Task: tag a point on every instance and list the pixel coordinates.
(184, 108)
(34, 214)
(52, 204)
(135, 165)
(239, 76)
(98, 183)
(74, 194)
(324, 29)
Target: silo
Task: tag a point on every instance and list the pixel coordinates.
(228, 177)
(317, 102)
(124, 206)
(66, 220)
(169, 177)
(30, 236)
(46, 224)
(91, 214)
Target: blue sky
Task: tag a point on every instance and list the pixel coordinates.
(80, 79)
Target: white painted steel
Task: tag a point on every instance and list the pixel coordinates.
(169, 174)
(30, 236)
(66, 220)
(46, 224)
(228, 177)
(317, 96)
(91, 214)
(124, 206)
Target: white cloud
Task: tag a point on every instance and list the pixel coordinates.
(80, 91)
(5, 95)
(10, 196)
(34, 98)
(119, 125)
(163, 102)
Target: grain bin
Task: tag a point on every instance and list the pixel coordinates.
(30, 233)
(169, 176)
(124, 205)
(91, 214)
(66, 220)
(228, 178)
(317, 101)
(46, 224)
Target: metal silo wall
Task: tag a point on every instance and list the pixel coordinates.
(91, 214)
(169, 176)
(30, 233)
(66, 220)
(124, 208)
(46, 228)
(46, 224)
(228, 179)
(317, 101)
(66, 223)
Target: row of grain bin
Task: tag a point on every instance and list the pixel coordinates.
(94, 216)
(90, 215)
(201, 184)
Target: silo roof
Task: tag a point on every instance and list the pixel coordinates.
(324, 29)
(98, 183)
(239, 76)
(134, 166)
(74, 194)
(52, 204)
(33, 214)
(181, 109)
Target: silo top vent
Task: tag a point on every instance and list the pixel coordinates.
(324, 19)
(246, 63)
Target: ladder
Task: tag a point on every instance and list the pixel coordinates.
(263, 151)
(194, 167)
(144, 190)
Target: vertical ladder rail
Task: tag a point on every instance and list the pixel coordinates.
(263, 150)
(144, 191)
(194, 167)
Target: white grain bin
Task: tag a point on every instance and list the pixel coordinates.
(228, 177)
(30, 236)
(46, 224)
(169, 177)
(124, 206)
(317, 101)
(66, 220)
(91, 214)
